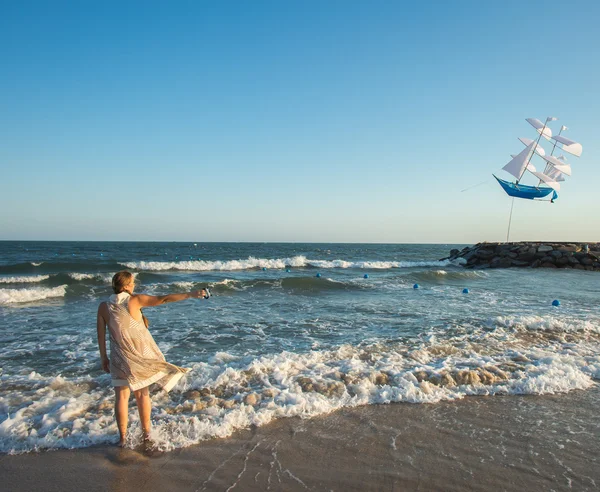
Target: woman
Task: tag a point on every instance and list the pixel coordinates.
(135, 360)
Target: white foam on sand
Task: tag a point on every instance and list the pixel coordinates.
(514, 355)
(11, 296)
(279, 263)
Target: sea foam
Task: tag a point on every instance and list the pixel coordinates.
(228, 392)
(11, 296)
(102, 277)
(278, 263)
(24, 279)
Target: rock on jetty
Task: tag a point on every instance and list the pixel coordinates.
(581, 256)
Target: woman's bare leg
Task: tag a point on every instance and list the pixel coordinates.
(121, 410)
(142, 398)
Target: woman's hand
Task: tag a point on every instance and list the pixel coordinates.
(105, 364)
(198, 294)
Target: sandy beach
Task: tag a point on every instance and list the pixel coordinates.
(496, 443)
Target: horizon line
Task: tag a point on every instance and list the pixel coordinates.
(201, 242)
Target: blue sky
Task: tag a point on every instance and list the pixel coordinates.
(291, 121)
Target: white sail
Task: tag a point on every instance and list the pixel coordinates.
(548, 180)
(517, 165)
(569, 145)
(564, 169)
(562, 166)
(555, 174)
(538, 149)
(540, 127)
(530, 166)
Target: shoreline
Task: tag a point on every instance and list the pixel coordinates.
(476, 443)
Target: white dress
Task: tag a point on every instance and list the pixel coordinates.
(135, 359)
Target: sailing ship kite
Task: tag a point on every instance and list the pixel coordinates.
(556, 168)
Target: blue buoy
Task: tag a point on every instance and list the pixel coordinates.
(264, 269)
(416, 286)
(556, 302)
(465, 291)
(287, 270)
(318, 275)
(101, 254)
(366, 275)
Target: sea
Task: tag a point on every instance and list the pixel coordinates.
(291, 330)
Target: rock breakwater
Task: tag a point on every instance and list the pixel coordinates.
(580, 256)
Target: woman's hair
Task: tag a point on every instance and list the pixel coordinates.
(120, 280)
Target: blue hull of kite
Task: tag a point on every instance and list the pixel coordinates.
(524, 191)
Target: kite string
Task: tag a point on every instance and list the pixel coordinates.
(510, 218)
(474, 186)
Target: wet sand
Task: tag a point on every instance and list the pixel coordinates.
(479, 443)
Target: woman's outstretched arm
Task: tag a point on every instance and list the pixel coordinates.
(142, 300)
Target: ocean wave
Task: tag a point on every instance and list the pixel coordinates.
(225, 285)
(105, 278)
(549, 324)
(225, 282)
(376, 265)
(308, 284)
(279, 263)
(296, 284)
(24, 279)
(62, 277)
(184, 285)
(447, 275)
(509, 356)
(81, 276)
(12, 296)
(59, 267)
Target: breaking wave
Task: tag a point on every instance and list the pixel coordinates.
(104, 277)
(13, 296)
(294, 262)
(437, 276)
(24, 279)
(295, 284)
